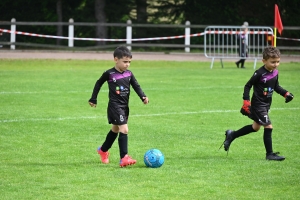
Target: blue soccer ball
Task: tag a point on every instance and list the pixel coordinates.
(154, 158)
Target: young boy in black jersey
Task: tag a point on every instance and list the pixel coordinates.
(264, 82)
(119, 80)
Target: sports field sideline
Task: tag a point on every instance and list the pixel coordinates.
(32, 54)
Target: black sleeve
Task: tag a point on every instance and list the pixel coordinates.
(98, 86)
(135, 85)
(279, 89)
(249, 84)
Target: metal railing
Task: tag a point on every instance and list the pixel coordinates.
(225, 42)
(11, 39)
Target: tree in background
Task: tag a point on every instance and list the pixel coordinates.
(141, 16)
(204, 12)
(101, 31)
(59, 13)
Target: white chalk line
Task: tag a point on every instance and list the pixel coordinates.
(105, 90)
(135, 115)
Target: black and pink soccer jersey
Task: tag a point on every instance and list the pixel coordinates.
(119, 87)
(264, 84)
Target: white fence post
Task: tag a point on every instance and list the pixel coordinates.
(128, 34)
(71, 33)
(12, 33)
(187, 36)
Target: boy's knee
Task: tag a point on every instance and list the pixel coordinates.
(123, 129)
(255, 127)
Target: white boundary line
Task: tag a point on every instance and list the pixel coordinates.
(105, 90)
(136, 115)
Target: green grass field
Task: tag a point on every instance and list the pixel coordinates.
(49, 134)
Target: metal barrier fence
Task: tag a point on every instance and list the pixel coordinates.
(225, 42)
(128, 39)
(219, 41)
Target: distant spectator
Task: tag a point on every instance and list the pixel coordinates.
(0, 40)
(243, 45)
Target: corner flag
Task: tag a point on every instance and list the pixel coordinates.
(277, 24)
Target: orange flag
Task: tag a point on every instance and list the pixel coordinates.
(278, 23)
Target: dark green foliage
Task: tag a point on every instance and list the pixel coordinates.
(204, 12)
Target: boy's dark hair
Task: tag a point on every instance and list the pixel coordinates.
(121, 52)
(271, 52)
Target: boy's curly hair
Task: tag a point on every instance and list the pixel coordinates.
(271, 52)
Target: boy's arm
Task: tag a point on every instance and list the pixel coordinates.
(97, 87)
(287, 95)
(137, 88)
(248, 86)
(279, 89)
(246, 108)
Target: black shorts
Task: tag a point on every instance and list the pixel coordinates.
(260, 115)
(117, 115)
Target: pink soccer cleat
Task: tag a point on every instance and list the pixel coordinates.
(104, 156)
(127, 160)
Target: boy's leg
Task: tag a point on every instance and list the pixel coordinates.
(244, 131)
(242, 63)
(103, 150)
(231, 135)
(110, 139)
(268, 145)
(123, 140)
(268, 140)
(238, 64)
(123, 146)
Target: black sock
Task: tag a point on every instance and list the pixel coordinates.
(123, 144)
(243, 131)
(243, 62)
(110, 138)
(268, 140)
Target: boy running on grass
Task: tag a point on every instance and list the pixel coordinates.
(264, 82)
(119, 80)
